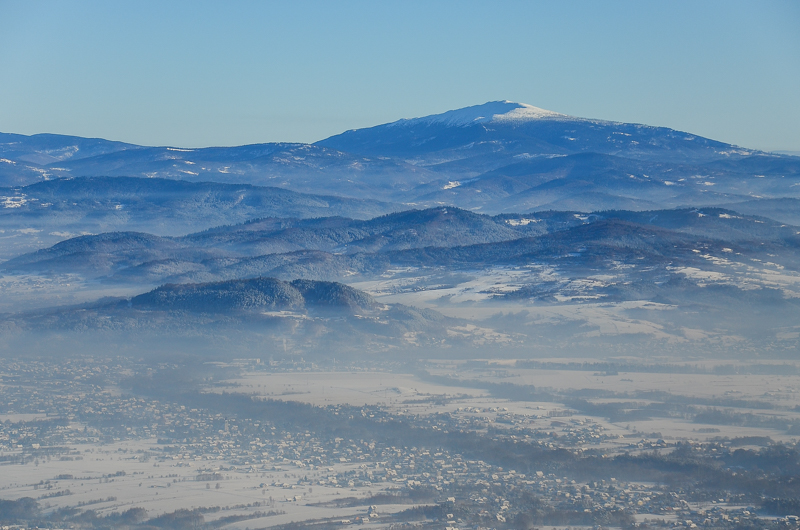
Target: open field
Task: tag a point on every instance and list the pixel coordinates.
(775, 396)
(118, 476)
(401, 391)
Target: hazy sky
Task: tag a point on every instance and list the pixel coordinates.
(224, 73)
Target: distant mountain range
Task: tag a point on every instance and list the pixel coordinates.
(496, 157)
(44, 213)
(533, 226)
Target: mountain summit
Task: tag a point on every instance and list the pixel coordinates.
(493, 111)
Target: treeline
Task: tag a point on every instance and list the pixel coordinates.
(28, 511)
(726, 417)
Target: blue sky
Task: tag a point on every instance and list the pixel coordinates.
(212, 73)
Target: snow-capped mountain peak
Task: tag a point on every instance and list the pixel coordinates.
(493, 111)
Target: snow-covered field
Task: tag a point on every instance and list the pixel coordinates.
(118, 476)
(353, 388)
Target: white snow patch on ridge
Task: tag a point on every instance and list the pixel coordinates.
(493, 111)
(521, 222)
(13, 202)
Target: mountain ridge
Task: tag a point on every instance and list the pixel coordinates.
(333, 248)
(41, 214)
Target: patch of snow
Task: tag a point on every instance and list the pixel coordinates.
(180, 150)
(521, 222)
(7, 161)
(526, 113)
(39, 170)
(703, 275)
(538, 155)
(736, 152)
(16, 201)
(285, 314)
(451, 184)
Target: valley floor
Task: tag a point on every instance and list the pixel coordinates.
(281, 442)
